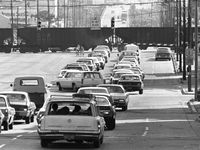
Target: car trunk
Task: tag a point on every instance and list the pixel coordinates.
(70, 123)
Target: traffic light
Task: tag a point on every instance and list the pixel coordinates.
(39, 25)
(112, 22)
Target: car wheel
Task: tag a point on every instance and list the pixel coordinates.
(97, 143)
(111, 124)
(6, 126)
(101, 140)
(156, 59)
(11, 126)
(74, 87)
(32, 118)
(44, 143)
(59, 87)
(27, 120)
(124, 108)
(141, 91)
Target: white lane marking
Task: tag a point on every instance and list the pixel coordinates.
(150, 120)
(19, 136)
(146, 131)
(2, 145)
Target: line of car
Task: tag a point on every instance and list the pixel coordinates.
(83, 116)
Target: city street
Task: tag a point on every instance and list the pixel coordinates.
(157, 120)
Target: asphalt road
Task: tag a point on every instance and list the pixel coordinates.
(156, 120)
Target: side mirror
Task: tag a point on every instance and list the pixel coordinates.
(11, 85)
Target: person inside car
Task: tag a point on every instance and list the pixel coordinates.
(54, 109)
(76, 110)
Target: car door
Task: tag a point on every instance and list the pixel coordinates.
(66, 81)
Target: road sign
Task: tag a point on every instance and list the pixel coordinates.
(189, 54)
(95, 24)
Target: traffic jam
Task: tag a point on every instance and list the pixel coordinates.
(86, 102)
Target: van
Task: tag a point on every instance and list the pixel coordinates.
(34, 86)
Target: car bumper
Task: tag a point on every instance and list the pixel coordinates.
(69, 136)
(119, 103)
(21, 114)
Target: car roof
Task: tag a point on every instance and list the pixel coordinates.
(83, 88)
(13, 92)
(71, 70)
(123, 65)
(30, 77)
(131, 75)
(109, 85)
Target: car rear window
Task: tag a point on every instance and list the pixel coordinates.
(29, 82)
(69, 108)
(91, 91)
(130, 78)
(73, 75)
(15, 99)
(163, 50)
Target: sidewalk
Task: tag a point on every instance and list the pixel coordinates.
(193, 105)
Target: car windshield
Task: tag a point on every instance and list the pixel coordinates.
(85, 61)
(101, 101)
(2, 102)
(122, 67)
(163, 50)
(69, 108)
(16, 99)
(118, 75)
(90, 91)
(114, 89)
(131, 78)
(75, 67)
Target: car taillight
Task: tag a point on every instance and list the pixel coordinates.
(81, 81)
(6, 112)
(98, 125)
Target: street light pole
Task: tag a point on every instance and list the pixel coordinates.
(189, 45)
(180, 40)
(196, 49)
(25, 12)
(184, 41)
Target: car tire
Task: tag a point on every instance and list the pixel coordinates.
(74, 87)
(101, 140)
(59, 87)
(141, 91)
(97, 143)
(32, 118)
(156, 59)
(111, 124)
(27, 120)
(6, 126)
(44, 143)
(124, 108)
(11, 126)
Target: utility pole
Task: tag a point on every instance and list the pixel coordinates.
(49, 19)
(189, 45)
(184, 41)
(178, 31)
(38, 19)
(25, 12)
(67, 12)
(64, 14)
(196, 49)
(180, 41)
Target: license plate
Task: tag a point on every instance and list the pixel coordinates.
(69, 136)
